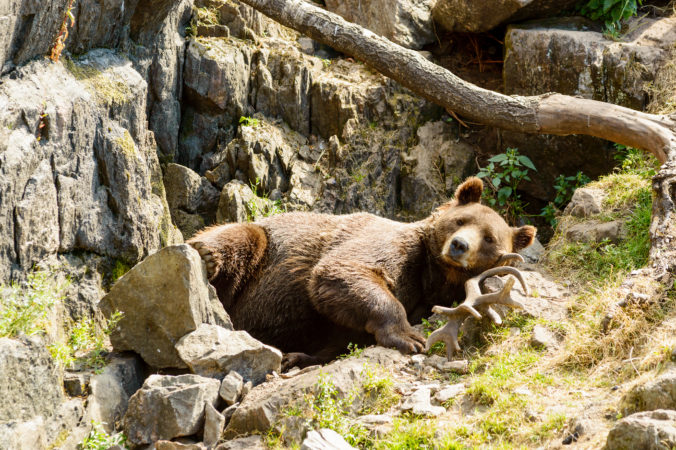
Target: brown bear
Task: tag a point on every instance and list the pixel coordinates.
(312, 283)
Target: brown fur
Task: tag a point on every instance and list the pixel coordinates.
(312, 283)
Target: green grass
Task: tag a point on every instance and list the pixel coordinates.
(24, 307)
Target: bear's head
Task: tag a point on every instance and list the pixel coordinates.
(467, 238)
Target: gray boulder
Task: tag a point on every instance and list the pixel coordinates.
(478, 16)
(231, 387)
(214, 422)
(192, 199)
(324, 439)
(213, 351)
(405, 22)
(419, 403)
(111, 390)
(585, 202)
(651, 430)
(167, 407)
(238, 203)
(30, 384)
(595, 231)
(659, 393)
(434, 167)
(163, 298)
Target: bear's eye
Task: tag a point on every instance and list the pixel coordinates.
(488, 239)
(460, 222)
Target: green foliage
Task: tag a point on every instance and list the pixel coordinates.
(564, 187)
(24, 307)
(98, 439)
(611, 12)
(504, 173)
(635, 161)
(249, 122)
(258, 206)
(86, 343)
(353, 351)
(329, 410)
(119, 269)
(379, 395)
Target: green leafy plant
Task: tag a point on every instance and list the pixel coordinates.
(99, 439)
(611, 12)
(25, 307)
(633, 160)
(86, 343)
(504, 173)
(564, 187)
(249, 121)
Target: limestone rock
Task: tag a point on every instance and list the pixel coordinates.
(168, 406)
(324, 439)
(419, 404)
(436, 166)
(405, 22)
(192, 199)
(260, 409)
(214, 422)
(173, 445)
(27, 435)
(543, 338)
(246, 443)
(231, 387)
(163, 298)
(449, 392)
(238, 203)
(533, 252)
(586, 202)
(595, 231)
(213, 351)
(651, 430)
(571, 56)
(659, 393)
(478, 16)
(112, 388)
(30, 385)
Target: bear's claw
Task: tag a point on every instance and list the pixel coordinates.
(207, 255)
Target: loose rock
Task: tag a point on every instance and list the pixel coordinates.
(324, 439)
(419, 404)
(167, 407)
(213, 351)
(659, 393)
(651, 430)
(214, 422)
(163, 298)
(231, 387)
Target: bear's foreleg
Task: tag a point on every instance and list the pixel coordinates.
(232, 253)
(356, 296)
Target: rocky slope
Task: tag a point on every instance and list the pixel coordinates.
(162, 117)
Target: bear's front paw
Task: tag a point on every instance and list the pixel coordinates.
(406, 340)
(209, 256)
(300, 360)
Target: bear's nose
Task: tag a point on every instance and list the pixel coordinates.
(458, 247)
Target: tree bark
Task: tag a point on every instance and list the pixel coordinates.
(544, 114)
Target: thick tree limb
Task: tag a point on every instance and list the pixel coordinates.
(545, 114)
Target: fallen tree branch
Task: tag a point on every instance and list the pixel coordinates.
(544, 114)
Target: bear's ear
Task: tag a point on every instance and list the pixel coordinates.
(469, 191)
(523, 237)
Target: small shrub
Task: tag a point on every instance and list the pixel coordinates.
(99, 439)
(59, 43)
(504, 173)
(611, 12)
(25, 307)
(565, 187)
(249, 122)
